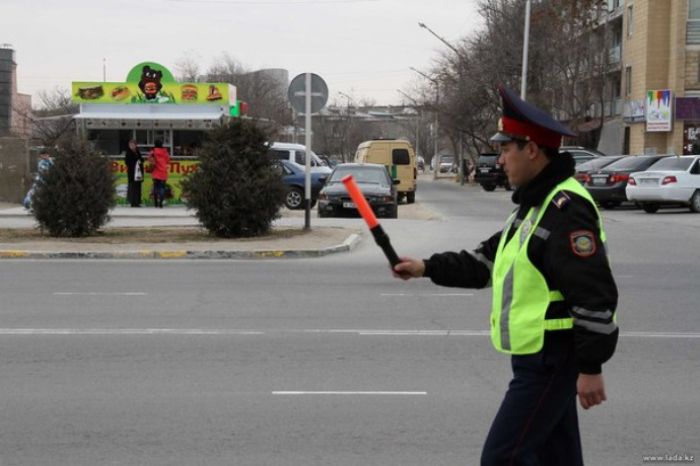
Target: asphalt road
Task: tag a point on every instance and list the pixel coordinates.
(324, 361)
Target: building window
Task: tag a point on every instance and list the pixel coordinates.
(693, 28)
(628, 81)
(630, 20)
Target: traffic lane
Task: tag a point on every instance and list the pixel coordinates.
(193, 400)
(282, 295)
(203, 399)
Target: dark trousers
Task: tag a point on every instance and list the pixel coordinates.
(537, 423)
(133, 193)
(158, 192)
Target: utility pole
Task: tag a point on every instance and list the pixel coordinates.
(526, 45)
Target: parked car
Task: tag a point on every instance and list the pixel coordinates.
(447, 164)
(489, 173)
(672, 181)
(296, 153)
(581, 154)
(584, 169)
(607, 185)
(294, 179)
(374, 181)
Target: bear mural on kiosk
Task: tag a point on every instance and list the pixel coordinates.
(150, 84)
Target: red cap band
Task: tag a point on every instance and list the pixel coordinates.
(537, 134)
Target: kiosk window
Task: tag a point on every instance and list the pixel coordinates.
(400, 157)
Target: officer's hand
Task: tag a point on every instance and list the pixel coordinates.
(409, 268)
(591, 390)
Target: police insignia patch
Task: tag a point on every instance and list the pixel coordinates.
(583, 243)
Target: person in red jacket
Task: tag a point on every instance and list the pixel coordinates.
(159, 158)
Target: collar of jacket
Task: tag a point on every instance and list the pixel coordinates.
(557, 170)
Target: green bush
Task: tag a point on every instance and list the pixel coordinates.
(234, 190)
(74, 196)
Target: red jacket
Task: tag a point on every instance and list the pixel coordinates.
(159, 157)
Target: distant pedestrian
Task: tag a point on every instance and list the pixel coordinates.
(134, 173)
(159, 158)
(42, 167)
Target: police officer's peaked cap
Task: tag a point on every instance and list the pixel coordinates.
(522, 121)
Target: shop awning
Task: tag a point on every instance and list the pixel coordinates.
(95, 116)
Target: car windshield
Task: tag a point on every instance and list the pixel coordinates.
(361, 175)
(672, 164)
(596, 163)
(447, 159)
(632, 162)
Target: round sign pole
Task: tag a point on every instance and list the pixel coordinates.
(307, 93)
(307, 158)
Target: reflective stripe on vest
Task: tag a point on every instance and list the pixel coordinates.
(520, 292)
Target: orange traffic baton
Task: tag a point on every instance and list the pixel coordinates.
(380, 237)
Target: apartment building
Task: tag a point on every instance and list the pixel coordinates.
(661, 75)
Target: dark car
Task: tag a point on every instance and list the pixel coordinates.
(607, 185)
(584, 169)
(375, 183)
(294, 179)
(581, 154)
(489, 173)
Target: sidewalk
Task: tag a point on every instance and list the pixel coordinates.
(287, 239)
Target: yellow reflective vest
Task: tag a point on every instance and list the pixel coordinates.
(520, 292)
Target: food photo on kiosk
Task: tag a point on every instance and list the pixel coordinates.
(149, 106)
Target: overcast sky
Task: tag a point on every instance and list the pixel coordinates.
(360, 47)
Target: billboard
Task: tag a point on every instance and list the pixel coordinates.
(659, 110)
(151, 83)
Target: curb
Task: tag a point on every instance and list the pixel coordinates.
(347, 245)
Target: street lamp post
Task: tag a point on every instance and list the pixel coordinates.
(418, 120)
(436, 126)
(349, 99)
(462, 61)
(526, 45)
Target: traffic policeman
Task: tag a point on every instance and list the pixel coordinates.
(554, 296)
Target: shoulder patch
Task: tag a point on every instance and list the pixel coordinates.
(561, 199)
(583, 243)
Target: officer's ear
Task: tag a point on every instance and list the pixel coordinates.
(533, 150)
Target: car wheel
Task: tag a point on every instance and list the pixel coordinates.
(695, 202)
(322, 214)
(411, 197)
(399, 198)
(488, 187)
(650, 207)
(294, 198)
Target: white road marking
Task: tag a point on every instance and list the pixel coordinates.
(99, 293)
(125, 331)
(433, 295)
(348, 393)
(236, 332)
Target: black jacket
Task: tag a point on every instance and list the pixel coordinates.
(579, 270)
(131, 158)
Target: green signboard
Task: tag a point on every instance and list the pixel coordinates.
(151, 83)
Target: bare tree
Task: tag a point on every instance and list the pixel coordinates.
(53, 118)
(187, 67)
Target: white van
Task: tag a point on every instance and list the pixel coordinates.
(296, 153)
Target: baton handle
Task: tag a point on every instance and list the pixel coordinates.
(382, 240)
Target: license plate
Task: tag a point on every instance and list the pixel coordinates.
(651, 181)
(599, 181)
(349, 205)
(484, 170)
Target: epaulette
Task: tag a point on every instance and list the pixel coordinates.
(561, 200)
